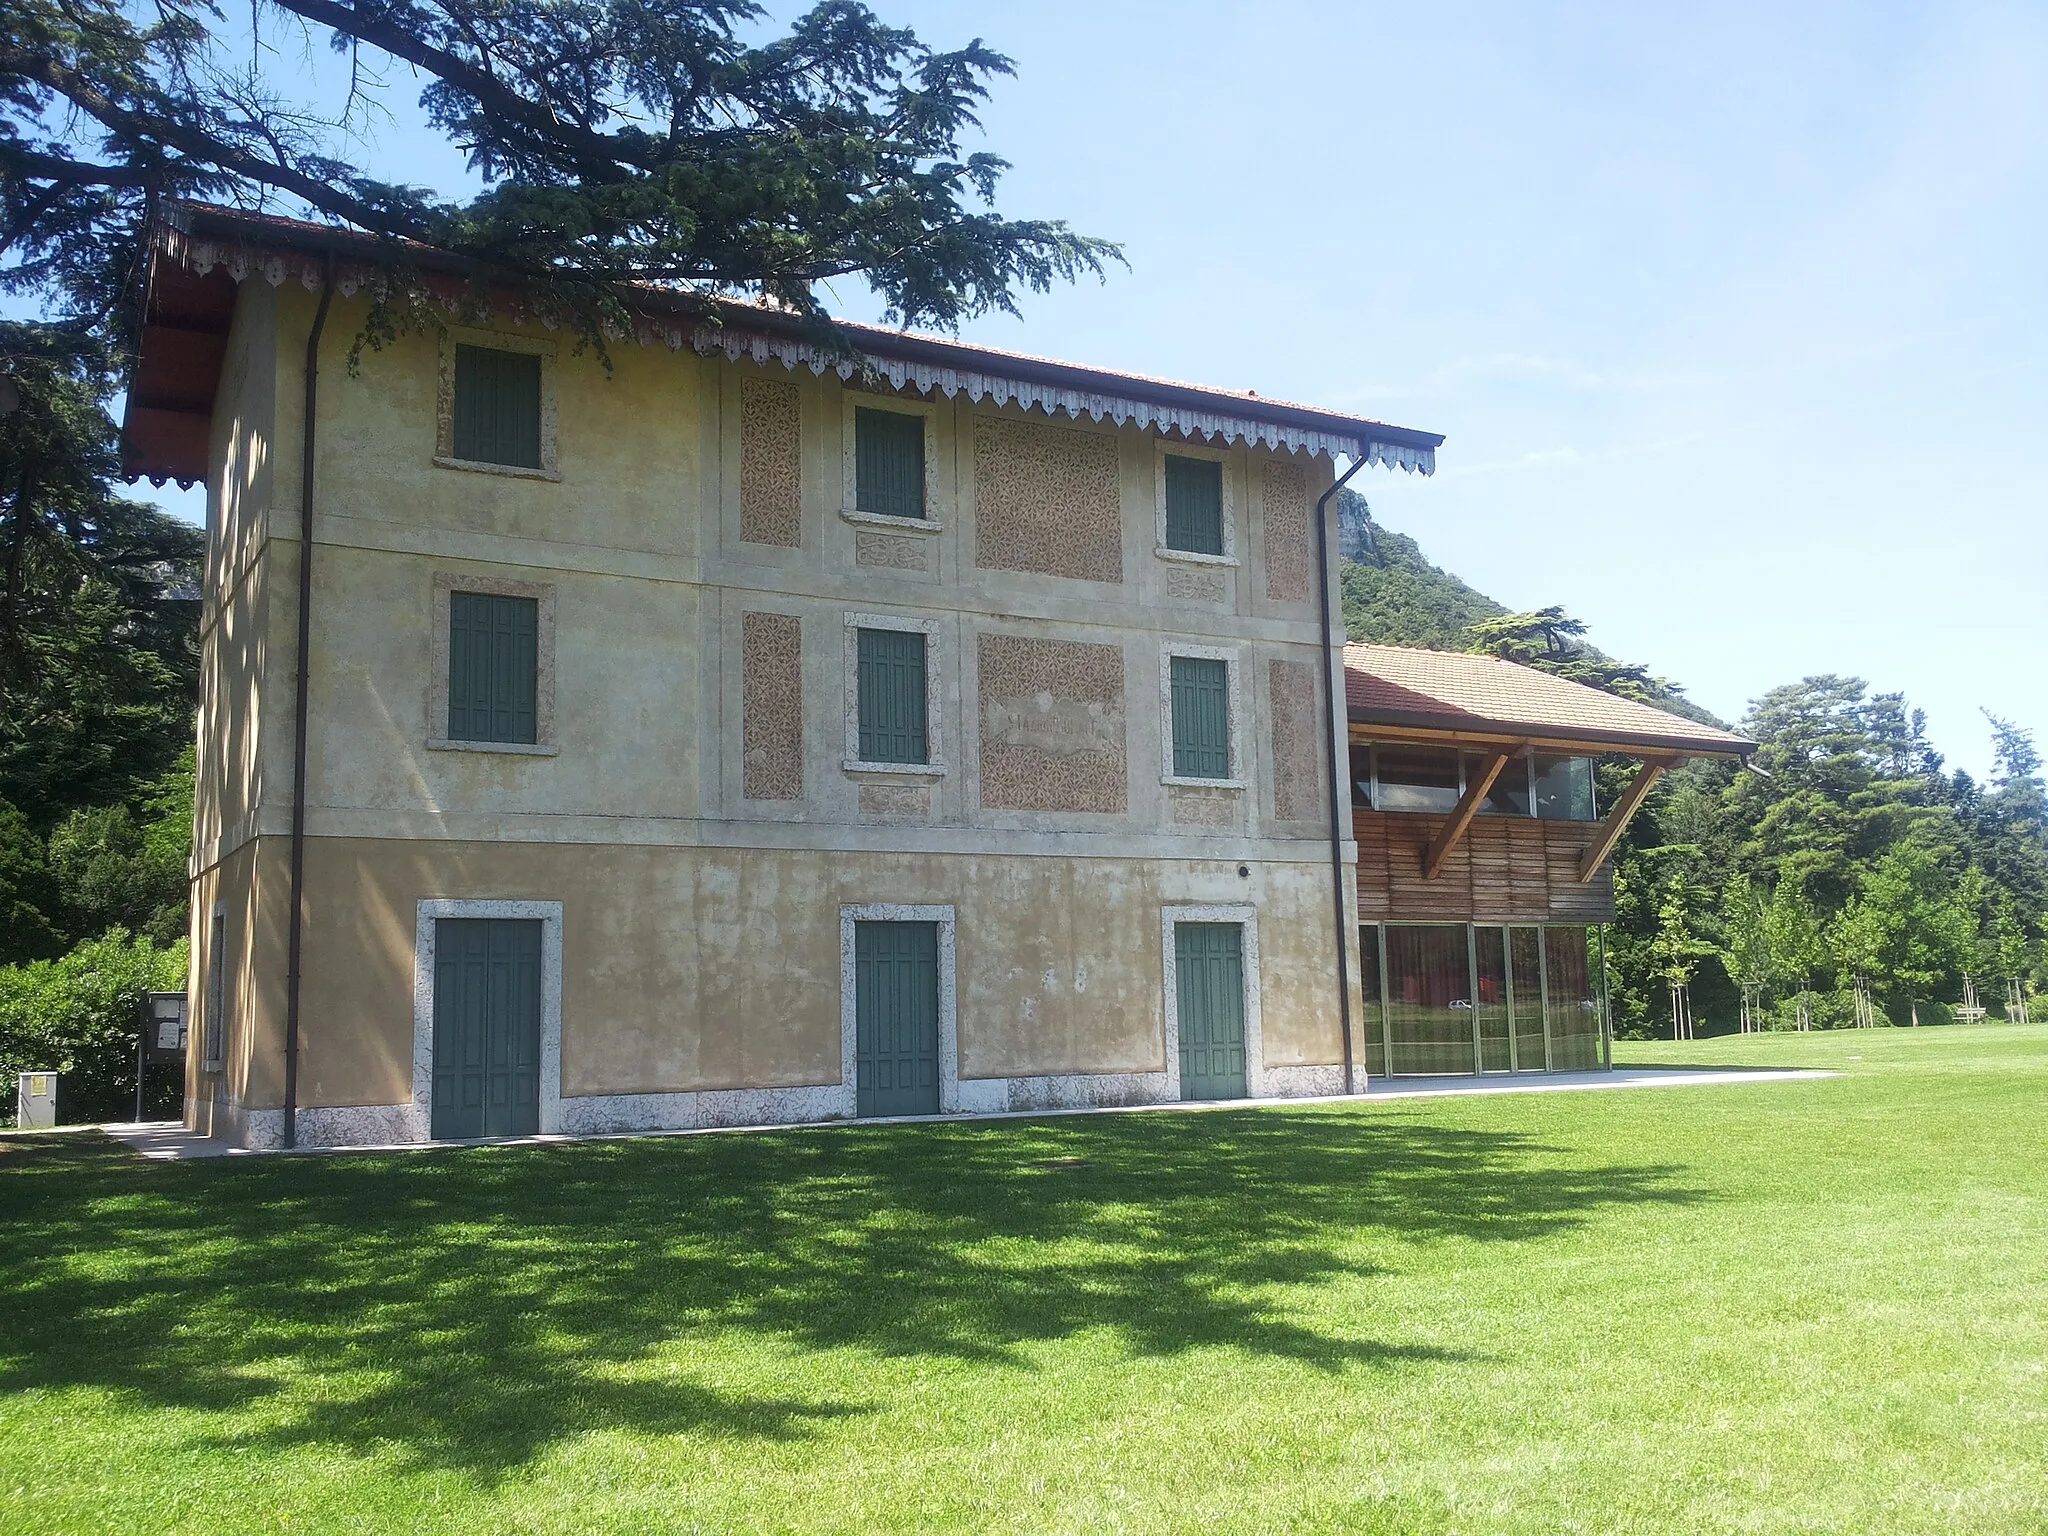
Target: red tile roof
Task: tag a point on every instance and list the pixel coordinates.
(1483, 695)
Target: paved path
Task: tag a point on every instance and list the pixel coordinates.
(167, 1140)
(1570, 1082)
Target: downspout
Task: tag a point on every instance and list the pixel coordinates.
(296, 944)
(1336, 763)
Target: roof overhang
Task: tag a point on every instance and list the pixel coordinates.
(1432, 728)
(218, 248)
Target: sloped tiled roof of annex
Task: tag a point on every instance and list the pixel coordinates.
(192, 218)
(1456, 691)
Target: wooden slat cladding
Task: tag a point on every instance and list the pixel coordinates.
(1505, 869)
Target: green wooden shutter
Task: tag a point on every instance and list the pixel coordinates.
(1194, 505)
(891, 696)
(896, 1018)
(1209, 986)
(486, 1028)
(888, 463)
(497, 407)
(1201, 718)
(493, 667)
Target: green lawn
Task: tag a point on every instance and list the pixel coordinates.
(1802, 1306)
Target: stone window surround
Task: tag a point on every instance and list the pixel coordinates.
(857, 400)
(949, 1006)
(1233, 686)
(429, 911)
(444, 408)
(1173, 447)
(543, 594)
(934, 766)
(1247, 918)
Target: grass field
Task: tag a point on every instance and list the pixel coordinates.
(1797, 1306)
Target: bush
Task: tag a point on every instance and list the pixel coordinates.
(120, 870)
(78, 1015)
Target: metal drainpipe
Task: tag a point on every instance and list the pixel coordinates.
(1337, 769)
(296, 944)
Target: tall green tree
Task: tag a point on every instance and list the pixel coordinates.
(30, 913)
(98, 594)
(664, 141)
(1845, 777)
(1918, 945)
(1798, 953)
(1747, 952)
(2011, 821)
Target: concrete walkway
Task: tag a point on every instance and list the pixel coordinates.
(168, 1141)
(1572, 1082)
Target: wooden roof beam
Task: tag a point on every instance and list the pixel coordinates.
(1618, 819)
(1461, 818)
(1478, 739)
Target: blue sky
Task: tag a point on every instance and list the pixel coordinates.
(1736, 317)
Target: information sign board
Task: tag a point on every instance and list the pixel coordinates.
(163, 1028)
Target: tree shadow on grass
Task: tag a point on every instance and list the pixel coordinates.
(465, 1309)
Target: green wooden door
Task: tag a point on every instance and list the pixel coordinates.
(486, 1027)
(1209, 962)
(896, 1018)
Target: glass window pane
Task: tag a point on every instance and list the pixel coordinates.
(1525, 953)
(1194, 505)
(1373, 1018)
(1429, 991)
(1574, 1011)
(1490, 958)
(1416, 778)
(1564, 788)
(1510, 793)
(1361, 776)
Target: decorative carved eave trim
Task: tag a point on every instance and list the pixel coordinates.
(734, 339)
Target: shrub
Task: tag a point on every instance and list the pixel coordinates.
(78, 1015)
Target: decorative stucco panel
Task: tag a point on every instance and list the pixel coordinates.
(772, 706)
(1297, 776)
(1052, 725)
(1201, 807)
(896, 800)
(1288, 561)
(1195, 586)
(771, 453)
(1046, 501)
(893, 554)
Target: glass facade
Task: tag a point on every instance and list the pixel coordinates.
(1445, 999)
(1570, 1003)
(1563, 788)
(1372, 1017)
(1400, 777)
(1429, 999)
(1415, 779)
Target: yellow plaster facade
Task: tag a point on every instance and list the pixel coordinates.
(703, 977)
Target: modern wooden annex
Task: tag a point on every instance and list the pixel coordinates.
(721, 728)
(1483, 877)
